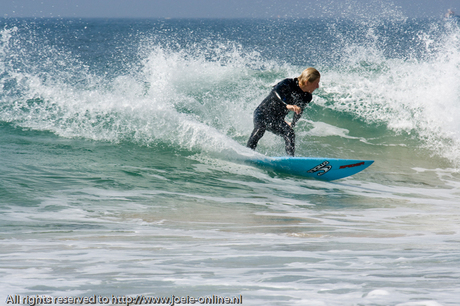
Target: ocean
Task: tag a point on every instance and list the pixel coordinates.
(122, 148)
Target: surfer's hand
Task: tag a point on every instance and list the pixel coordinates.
(294, 108)
(289, 124)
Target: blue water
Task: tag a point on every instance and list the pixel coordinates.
(121, 145)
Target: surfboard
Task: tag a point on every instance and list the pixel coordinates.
(322, 168)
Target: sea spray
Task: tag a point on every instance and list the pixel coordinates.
(173, 98)
(415, 93)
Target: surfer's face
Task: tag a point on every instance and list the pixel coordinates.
(310, 86)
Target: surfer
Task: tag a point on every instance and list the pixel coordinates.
(287, 95)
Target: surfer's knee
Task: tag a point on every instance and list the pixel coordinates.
(255, 137)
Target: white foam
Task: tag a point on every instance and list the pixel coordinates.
(378, 293)
(421, 303)
(418, 96)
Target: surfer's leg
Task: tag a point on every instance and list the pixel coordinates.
(283, 129)
(289, 139)
(257, 133)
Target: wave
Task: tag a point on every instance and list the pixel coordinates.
(200, 95)
(171, 97)
(416, 94)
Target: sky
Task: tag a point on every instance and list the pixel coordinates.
(225, 8)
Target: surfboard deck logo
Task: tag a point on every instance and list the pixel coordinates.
(321, 168)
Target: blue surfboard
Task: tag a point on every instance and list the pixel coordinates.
(313, 167)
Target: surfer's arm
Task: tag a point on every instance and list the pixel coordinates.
(290, 107)
(296, 117)
(294, 108)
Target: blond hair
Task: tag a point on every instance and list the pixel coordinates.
(308, 75)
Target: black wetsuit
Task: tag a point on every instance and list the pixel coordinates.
(269, 115)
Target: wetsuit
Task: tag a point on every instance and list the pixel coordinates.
(269, 115)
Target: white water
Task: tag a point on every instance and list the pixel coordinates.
(293, 244)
